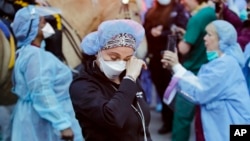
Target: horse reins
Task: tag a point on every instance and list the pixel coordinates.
(69, 36)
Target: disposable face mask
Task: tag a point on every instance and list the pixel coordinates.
(112, 69)
(47, 31)
(164, 2)
(211, 55)
(243, 15)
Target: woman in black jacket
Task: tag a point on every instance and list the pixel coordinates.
(109, 103)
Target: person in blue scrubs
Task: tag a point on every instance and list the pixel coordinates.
(44, 110)
(219, 87)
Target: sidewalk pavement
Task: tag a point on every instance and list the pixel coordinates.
(156, 123)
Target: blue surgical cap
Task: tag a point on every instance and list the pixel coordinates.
(228, 40)
(25, 25)
(97, 40)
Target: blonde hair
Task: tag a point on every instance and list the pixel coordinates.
(213, 29)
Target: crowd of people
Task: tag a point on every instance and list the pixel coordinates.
(205, 76)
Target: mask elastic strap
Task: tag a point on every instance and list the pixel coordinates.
(29, 28)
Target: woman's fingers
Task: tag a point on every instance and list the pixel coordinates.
(169, 59)
(134, 67)
(167, 55)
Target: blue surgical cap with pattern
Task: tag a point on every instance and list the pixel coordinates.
(228, 40)
(97, 40)
(25, 25)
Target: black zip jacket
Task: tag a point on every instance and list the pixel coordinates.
(104, 109)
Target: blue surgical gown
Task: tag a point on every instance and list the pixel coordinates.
(220, 88)
(44, 107)
(247, 65)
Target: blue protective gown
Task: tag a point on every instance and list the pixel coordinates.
(220, 88)
(44, 107)
(247, 65)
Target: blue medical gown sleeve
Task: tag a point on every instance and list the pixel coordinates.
(39, 74)
(207, 85)
(246, 68)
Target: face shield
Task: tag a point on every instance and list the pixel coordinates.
(42, 12)
(46, 11)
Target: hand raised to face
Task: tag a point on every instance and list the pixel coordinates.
(134, 66)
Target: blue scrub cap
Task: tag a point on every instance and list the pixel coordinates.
(228, 40)
(26, 22)
(113, 33)
(25, 25)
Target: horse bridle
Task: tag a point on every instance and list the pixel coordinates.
(69, 36)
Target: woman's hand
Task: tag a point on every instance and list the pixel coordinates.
(134, 66)
(169, 59)
(180, 30)
(156, 31)
(67, 134)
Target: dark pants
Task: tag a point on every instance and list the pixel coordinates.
(183, 117)
(161, 78)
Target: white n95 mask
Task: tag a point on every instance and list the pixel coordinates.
(164, 2)
(47, 31)
(112, 69)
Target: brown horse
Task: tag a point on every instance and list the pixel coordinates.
(85, 15)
